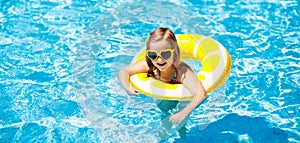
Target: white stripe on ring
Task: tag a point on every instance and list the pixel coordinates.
(197, 46)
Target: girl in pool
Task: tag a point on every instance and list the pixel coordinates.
(163, 63)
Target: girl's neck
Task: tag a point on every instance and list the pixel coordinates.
(167, 74)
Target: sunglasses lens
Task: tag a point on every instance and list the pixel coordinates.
(166, 54)
(152, 55)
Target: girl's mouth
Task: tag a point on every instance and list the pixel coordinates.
(162, 64)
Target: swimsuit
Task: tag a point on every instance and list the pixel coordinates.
(174, 79)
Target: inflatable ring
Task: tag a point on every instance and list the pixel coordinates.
(214, 58)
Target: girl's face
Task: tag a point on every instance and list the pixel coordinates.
(161, 54)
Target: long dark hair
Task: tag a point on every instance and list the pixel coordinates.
(160, 34)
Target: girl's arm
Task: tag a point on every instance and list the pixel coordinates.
(192, 83)
(131, 69)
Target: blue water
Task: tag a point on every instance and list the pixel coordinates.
(59, 62)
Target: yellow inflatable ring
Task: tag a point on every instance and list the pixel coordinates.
(215, 60)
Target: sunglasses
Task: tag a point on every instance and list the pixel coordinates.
(165, 54)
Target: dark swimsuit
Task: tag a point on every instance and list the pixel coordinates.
(174, 79)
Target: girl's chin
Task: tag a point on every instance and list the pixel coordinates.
(163, 68)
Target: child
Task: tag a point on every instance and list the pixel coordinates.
(163, 63)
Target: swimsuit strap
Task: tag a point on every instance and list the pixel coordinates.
(175, 74)
(174, 78)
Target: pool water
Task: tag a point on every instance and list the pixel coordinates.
(60, 60)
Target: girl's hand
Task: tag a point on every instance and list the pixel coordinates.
(133, 91)
(177, 118)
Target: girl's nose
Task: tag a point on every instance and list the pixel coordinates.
(159, 58)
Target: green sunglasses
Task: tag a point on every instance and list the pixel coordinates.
(165, 54)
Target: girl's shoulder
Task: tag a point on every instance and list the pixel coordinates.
(183, 67)
(137, 67)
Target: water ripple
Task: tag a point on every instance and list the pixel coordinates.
(57, 55)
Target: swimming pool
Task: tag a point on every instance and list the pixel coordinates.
(60, 59)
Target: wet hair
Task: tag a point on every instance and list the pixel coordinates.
(162, 34)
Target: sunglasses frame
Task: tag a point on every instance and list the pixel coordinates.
(159, 53)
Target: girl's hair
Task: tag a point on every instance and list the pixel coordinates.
(161, 34)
